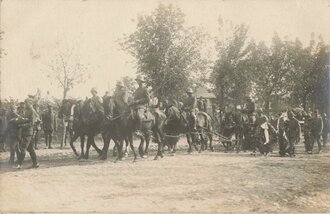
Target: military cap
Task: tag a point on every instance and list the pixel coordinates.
(139, 78)
(189, 91)
(94, 90)
(120, 84)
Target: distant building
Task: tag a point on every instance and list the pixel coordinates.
(208, 96)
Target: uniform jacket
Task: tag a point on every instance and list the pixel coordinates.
(141, 97)
(293, 128)
(317, 126)
(30, 116)
(97, 103)
(120, 100)
(49, 121)
(190, 103)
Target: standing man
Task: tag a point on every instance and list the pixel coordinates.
(189, 106)
(307, 133)
(26, 140)
(282, 138)
(293, 133)
(141, 100)
(49, 125)
(326, 130)
(316, 130)
(36, 126)
(11, 133)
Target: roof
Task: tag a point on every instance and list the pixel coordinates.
(204, 92)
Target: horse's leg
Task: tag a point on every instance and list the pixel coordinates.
(148, 138)
(202, 148)
(130, 139)
(189, 143)
(210, 135)
(141, 146)
(82, 145)
(106, 139)
(71, 143)
(159, 144)
(92, 143)
(126, 146)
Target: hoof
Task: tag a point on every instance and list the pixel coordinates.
(156, 157)
(144, 156)
(103, 157)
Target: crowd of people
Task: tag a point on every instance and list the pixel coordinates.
(21, 128)
(23, 123)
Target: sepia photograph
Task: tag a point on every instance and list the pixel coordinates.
(164, 106)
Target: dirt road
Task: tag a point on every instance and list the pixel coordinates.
(206, 182)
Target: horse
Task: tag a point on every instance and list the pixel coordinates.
(110, 130)
(229, 130)
(152, 127)
(84, 123)
(202, 135)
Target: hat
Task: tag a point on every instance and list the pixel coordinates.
(139, 78)
(28, 100)
(119, 84)
(189, 91)
(94, 90)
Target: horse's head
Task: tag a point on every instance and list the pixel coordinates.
(65, 108)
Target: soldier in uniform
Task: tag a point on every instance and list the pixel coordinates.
(316, 130)
(307, 133)
(200, 104)
(26, 140)
(282, 139)
(36, 126)
(326, 128)
(189, 106)
(49, 125)
(249, 109)
(11, 132)
(120, 99)
(141, 100)
(292, 133)
(97, 103)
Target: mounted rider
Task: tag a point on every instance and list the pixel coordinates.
(120, 99)
(189, 106)
(97, 104)
(249, 109)
(141, 100)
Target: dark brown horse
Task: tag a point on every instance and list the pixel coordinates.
(202, 135)
(152, 128)
(85, 123)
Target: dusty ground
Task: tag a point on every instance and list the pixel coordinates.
(207, 182)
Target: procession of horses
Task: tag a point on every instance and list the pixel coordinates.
(119, 119)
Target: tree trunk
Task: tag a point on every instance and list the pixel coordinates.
(65, 92)
(304, 102)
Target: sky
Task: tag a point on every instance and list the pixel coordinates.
(35, 29)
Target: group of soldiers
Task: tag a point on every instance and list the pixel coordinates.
(21, 129)
(24, 122)
(285, 130)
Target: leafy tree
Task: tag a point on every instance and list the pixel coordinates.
(167, 53)
(272, 69)
(231, 73)
(66, 69)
